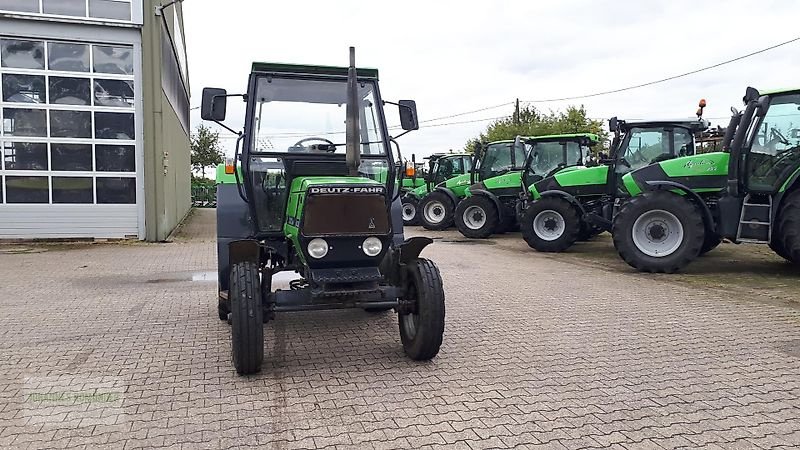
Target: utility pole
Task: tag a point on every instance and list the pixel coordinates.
(516, 113)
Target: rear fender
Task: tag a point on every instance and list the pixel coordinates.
(708, 218)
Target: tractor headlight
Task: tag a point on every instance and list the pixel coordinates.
(372, 246)
(318, 248)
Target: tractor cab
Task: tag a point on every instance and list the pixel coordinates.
(495, 159)
(548, 155)
(316, 193)
(443, 166)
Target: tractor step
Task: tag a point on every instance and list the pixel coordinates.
(755, 221)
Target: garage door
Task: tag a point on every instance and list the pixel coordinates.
(68, 140)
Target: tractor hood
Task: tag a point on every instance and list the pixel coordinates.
(332, 185)
(577, 180)
(706, 172)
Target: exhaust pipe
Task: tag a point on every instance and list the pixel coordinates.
(353, 135)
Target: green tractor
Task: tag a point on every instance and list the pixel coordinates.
(442, 167)
(411, 175)
(325, 208)
(492, 205)
(747, 193)
(437, 209)
(574, 205)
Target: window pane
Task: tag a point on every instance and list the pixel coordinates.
(109, 9)
(113, 59)
(115, 158)
(69, 91)
(72, 124)
(24, 122)
(23, 88)
(25, 156)
(22, 54)
(116, 190)
(113, 126)
(73, 190)
(64, 7)
(68, 57)
(71, 156)
(21, 6)
(27, 190)
(117, 93)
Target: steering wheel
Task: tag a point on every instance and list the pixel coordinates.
(330, 149)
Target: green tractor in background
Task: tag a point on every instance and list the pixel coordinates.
(325, 209)
(411, 175)
(492, 204)
(437, 209)
(747, 193)
(442, 168)
(572, 205)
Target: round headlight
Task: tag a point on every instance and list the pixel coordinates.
(318, 248)
(372, 246)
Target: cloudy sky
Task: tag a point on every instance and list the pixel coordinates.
(457, 56)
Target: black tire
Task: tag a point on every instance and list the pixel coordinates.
(436, 200)
(421, 332)
(223, 309)
(414, 202)
(710, 242)
(587, 231)
(247, 318)
(555, 207)
(788, 229)
(471, 210)
(689, 243)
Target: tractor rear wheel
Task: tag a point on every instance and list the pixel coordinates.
(550, 224)
(436, 211)
(421, 331)
(658, 232)
(247, 318)
(788, 229)
(223, 309)
(477, 217)
(410, 211)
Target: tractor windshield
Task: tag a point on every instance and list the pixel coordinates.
(308, 116)
(448, 167)
(499, 158)
(645, 146)
(774, 144)
(548, 156)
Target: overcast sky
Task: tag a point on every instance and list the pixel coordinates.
(456, 56)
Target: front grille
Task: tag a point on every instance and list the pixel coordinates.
(345, 214)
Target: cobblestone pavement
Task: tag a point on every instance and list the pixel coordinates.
(114, 345)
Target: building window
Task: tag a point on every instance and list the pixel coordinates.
(68, 132)
(116, 10)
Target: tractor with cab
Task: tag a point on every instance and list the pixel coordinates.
(442, 167)
(315, 195)
(575, 204)
(492, 204)
(747, 193)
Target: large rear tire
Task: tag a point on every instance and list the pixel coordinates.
(658, 232)
(410, 211)
(550, 224)
(710, 242)
(436, 211)
(247, 318)
(477, 217)
(788, 229)
(422, 330)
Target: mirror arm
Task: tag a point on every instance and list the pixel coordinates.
(238, 133)
(401, 134)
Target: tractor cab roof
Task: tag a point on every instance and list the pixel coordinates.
(305, 69)
(436, 156)
(780, 91)
(693, 124)
(588, 138)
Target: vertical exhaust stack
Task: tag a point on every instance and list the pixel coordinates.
(353, 135)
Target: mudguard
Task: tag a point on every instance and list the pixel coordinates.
(491, 196)
(568, 197)
(452, 196)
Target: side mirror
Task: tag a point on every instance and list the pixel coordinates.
(750, 94)
(408, 115)
(613, 124)
(214, 104)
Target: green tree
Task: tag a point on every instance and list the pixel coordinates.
(529, 121)
(206, 151)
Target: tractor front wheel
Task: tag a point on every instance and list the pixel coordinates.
(788, 229)
(247, 318)
(550, 224)
(477, 217)
(436, 211)
(658, 232)
(421, 330)
(410, 211)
